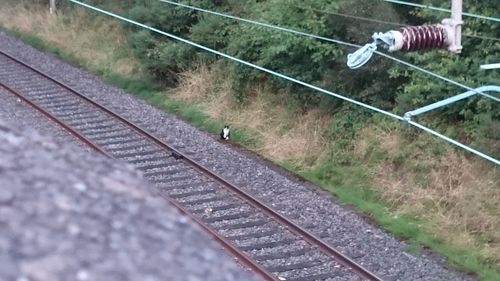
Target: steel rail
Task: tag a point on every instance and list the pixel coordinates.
(228, 246)
(250, 199)
(52, 117)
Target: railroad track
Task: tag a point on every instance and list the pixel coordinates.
(265, 241)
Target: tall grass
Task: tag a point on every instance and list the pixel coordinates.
(92, 41)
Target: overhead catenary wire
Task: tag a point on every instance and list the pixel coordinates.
(411, 4)
(350, 16)
(261, 24)
(465, 147)
(391, 23)
(481, 37)
(301, 33)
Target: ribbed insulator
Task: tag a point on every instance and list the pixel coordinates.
(423, 37)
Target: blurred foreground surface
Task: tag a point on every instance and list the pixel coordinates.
(70, 215)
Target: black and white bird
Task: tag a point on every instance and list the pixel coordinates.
(225, 133)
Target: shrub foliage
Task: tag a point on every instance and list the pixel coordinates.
(381, 82)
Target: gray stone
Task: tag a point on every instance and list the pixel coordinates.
(6, 196)
(57, 229)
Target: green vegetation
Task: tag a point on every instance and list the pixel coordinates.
(381, 83)
(144, 88)
(303, 58)
(478, 118)
(414, 185)
(357, 191)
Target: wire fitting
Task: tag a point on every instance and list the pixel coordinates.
(361, 56)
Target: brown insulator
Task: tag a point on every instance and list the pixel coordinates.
(423, 37)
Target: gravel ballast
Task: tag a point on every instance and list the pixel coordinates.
(339, 225)
(13, 110)
(66, 214)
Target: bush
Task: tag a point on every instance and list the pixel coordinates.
(303, 58)
(380, 83)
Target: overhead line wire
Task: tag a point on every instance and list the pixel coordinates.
(262, 24)
(351, 16)
(470, 149)
(405, 3)
(481, 37)
(398, 24)
(325, 39)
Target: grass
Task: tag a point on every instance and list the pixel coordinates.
(281, 132)
(412, 185)
(356, 191)
(151, 92)
(98, 44)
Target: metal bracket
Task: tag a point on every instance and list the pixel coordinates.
(480, 90)
(453, 31)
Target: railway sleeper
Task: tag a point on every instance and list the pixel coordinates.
(56, 96)
(74, 114)
(293, 266)
(85, 121)
(281, 254)
(205, 200)
(315, 277)
(187, 183)
(66, 111)
(129, 147)
(91, 131)
(260, 232)
(13, 71)
(316, 273)
(100, 137)
(191, 193)
(193, 183)
(227, 217)
(151, 165)
(137, 153)
(94, 126)
(16, 82)
(117, 141)
(266, 245)
(215, 208)
(58, 109)
(171, 178)
(164, 171)
(240, 208)
(251, 223)
(79, 117)
(33, 91)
